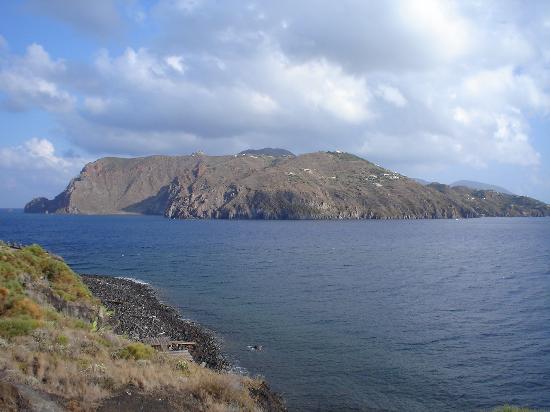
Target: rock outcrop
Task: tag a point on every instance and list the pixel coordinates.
(322, 185)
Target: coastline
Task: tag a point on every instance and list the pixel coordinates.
(137, 312)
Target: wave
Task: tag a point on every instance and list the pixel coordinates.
(139, 281)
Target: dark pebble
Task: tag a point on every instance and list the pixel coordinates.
(139, 314)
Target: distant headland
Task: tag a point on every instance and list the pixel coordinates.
(271, 184)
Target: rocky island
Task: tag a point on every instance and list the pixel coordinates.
(71, 343)
(271, 184)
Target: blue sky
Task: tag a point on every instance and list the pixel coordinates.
(440, 90)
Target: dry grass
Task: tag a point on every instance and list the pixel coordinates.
(510, 408)
(67, 357)
(87, 367)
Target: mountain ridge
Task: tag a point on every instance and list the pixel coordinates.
(267, 151)
(320, 185)
(480, 186)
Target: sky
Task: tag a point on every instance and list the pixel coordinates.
(439, 90)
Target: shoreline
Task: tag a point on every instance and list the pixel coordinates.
(83, 343)
(138, 312)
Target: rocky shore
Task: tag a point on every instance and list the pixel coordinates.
(138, 313)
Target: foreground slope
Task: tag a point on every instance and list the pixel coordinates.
(58, 352)
(322, 185)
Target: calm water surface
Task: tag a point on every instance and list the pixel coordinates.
(370, 315)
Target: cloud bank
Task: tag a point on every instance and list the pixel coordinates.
(413, 84)
(35, 169)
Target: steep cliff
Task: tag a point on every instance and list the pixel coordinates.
(322, 185)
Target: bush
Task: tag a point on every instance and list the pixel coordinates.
(33, 261)
(183, 367)
(80, 324)
(36, 250)
(136, 351)
(17, 327)
(65, 282)
(26, 306)
(62, 340)
(3, 297)
(7, 270)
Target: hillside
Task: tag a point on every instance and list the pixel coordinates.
(322, 185)
(59, 351)
(480, 186)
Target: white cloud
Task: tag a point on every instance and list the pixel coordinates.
(38, 61)
(139, 67)
(34, 154)
(31, 81)
(461, 66)
(391, 95)
(502, 87)
(461, 115)
(326, 87)
(261, 103)
(421, 82)
(264, 96)
(512, 144)
(34, 169)
(95, 104)
(420, 149)
(176, 63)
(439, 24)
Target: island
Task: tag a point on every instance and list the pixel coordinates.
(271, 184)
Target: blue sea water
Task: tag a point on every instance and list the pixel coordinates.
(353, 315)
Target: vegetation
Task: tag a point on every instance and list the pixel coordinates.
(16, 327)
(510, 408)
(36, 264)
(136, 351)
(79, 359)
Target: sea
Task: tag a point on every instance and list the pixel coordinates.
(426, 315)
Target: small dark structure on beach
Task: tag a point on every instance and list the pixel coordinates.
(173, 347)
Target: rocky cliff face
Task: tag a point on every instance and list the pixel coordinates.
(323, 185)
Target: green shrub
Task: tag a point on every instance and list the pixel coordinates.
(51, 315)
(62, 340)
(16, 327)
(183, 367)
(35, 249)
(7, 269)
(80, 324)
(64, 281)
(103, 341)
(34, 261)
(13, 287)
(136, 351)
